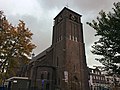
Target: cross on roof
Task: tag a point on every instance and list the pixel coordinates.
(67, 4)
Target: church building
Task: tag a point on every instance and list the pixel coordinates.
(62, 66)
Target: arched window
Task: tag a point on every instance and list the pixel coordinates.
(58, 81)
(57, 61)
(48, 76)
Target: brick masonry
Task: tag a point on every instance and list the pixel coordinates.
(63, 65)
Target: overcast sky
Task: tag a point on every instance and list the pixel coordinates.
(38, 16)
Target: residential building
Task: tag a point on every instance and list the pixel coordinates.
(101, 81)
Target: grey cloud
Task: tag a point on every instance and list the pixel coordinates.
(42, 27)
(80, 5)
(41, 31)
(51, 4)
(92, 4)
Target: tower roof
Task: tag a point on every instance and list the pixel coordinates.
(65, 8)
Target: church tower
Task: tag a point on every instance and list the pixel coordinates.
(69, 52)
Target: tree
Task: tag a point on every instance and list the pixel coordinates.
(107, 27)
(15, 47)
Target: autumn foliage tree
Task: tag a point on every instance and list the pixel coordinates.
(107, 27)
(15, 47)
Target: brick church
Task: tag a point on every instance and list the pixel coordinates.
(62, 66)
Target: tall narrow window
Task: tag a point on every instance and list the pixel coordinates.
(61, 37)
(71, 32)
(60, 33)
(74, 32)
(76, 39)
(74, 68)
(57, 61)
(48, 76)
(42, 76)
(56, 34)
(58, 81)
(73, 38)
(70, 37)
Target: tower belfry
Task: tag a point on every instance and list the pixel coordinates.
(69, 51)
(62, 66)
